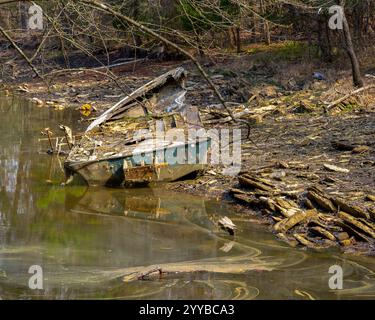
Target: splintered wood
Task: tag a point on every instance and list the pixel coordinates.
(312, 218)
(227, 225)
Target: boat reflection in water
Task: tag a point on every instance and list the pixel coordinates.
(145, 203)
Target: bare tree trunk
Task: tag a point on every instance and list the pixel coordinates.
(135, 12)
(358, 22)
(238, 39)
(328, 41)
(323, 39)
(200, 47)
(23, 9)
(231, 37)
(266, 26)
(357, 77)
(267, 33)
(64, 53)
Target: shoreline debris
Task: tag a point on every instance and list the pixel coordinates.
(313, 218)
(334, 168)
(227, 225)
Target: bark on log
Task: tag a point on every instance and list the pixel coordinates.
(354, 222)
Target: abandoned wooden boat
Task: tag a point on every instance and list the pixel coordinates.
(143, 138)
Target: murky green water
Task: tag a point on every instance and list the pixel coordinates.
(92, 243)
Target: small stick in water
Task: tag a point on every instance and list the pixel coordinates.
(147, 273)
(48, 132)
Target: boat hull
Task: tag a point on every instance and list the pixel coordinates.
(130, 171)
(113, 172)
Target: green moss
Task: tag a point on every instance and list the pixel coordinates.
(286, 50)
(348, 107)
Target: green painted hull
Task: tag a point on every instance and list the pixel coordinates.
(124, 171)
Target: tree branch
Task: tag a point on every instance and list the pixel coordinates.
(100, 5)
(6, 35)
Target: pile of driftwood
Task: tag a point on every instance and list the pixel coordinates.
(311, 218)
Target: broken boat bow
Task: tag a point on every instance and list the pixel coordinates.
(143, 138)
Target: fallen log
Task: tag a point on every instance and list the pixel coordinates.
(361, 149)
(287, 204)
(358, 224)
(368, 223)
(306, 242)
(285, 238)
(288, 212)
(267, 203)
(334, 168)
(254, 184)
(288, 223)
(143, 275)
(353, 93)
(321, 201)
(237, 191)
(353, 232)
(315, 221)
(265, 181)
(323, 232)
(351, 209)
(252, 200)
(372, 213)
